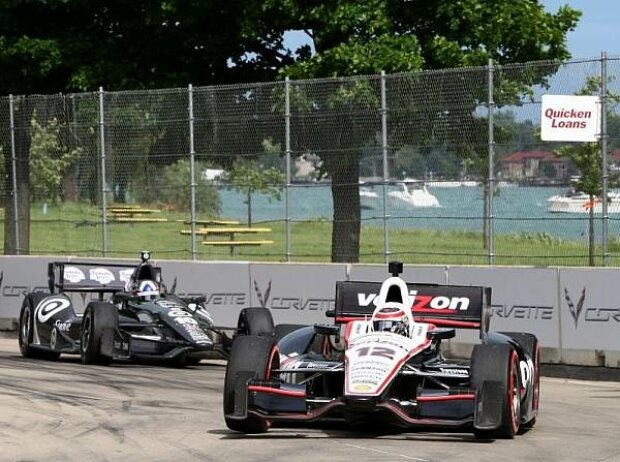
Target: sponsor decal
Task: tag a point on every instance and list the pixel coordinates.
(73, 274)
(575, 310)
(527, 372)
(423, 303)
(125, 275)
(291, 303)
(523, 312)
(372, 360)
(101, 275)
(453, 371)
(303, 364)
(49, 307)
(62, 326)
(591, 313)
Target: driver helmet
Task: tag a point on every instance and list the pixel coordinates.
(146, 290)
(393, 308)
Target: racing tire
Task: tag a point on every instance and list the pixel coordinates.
(98, 318)
(26, 329)
(255, 321)
(282, 330)
(258, 356)
(531, 346)
(499, 363)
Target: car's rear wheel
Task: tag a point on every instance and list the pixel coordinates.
(531, 346)
(499, 363)
(26, 329)
(252, 357)
(99, 322)
(255, 321)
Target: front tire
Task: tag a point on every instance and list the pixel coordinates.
(258, 356)
(255, 321)
(26, 329)
(499, 363)
(99, 324)
(531, 346)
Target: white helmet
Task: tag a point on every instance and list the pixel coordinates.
(393, 311)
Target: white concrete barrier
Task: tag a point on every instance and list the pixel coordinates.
(574, 312)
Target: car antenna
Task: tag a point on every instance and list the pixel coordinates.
(145, 256)
(395, 268)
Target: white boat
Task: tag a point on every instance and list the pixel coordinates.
(368, 198)
(414, 194)
(452, 184)
(578, 202)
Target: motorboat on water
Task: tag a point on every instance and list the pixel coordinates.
(368, 198)
(413, 193)
(579, 202)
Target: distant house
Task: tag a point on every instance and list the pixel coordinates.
(532, 166)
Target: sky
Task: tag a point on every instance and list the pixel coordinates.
(597, 30)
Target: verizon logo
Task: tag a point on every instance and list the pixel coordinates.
(422, 302)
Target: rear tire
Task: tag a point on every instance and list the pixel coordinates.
(499, 363)
(26, 329)
(99, 318)
(255, 321)
(531, 346)
(254, 354)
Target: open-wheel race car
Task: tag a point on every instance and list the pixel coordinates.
(381, 363)
(133, 317)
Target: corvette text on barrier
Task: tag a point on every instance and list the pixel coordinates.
(381, 361)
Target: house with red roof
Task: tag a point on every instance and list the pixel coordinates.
(533, 166)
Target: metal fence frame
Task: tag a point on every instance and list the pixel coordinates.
(383, 112)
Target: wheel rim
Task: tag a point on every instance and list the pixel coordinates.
(536, 380)
(86, 332)
(25, 329)
(514, 396)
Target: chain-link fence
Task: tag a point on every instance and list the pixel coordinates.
(439, 167)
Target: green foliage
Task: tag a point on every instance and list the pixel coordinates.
(50, 160)
(177, 193)
(248, 177)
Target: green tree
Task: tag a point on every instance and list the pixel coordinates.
(248, 177)
(588, 159)
(49, 160)
(355, 37)
(174, 189)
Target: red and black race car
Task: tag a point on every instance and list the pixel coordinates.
(381, 361)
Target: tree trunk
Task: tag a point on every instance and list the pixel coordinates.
(346, 226)
(249, 202)
(23, 115)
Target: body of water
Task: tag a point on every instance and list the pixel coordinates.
(517, 210)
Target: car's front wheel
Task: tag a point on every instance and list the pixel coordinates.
(251, 357)
(498, 365)
(26, 329)
(99, 323)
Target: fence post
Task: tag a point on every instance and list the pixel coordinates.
(14, 176)
(384, 148)
(192, 169)
(491, 151)
(605, 172)
(104, 189)
(287, 144)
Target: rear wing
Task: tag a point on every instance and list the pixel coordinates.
(89, 277)
(467, 307)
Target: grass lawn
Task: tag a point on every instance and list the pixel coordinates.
(76, 229)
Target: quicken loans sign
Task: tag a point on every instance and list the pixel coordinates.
(570, 118)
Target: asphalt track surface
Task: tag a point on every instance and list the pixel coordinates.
(65, 411)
